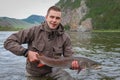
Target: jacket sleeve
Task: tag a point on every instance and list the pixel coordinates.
(14, 42)
(67, 48)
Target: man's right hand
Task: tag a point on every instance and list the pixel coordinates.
(32, 56)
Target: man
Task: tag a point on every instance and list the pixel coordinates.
(48, 39)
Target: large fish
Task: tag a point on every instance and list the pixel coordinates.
(65, 62)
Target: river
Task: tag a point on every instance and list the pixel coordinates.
(103, 47)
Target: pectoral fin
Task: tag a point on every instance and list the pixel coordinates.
(40, 65)
(79, 69)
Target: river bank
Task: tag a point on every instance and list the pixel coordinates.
(106, 30)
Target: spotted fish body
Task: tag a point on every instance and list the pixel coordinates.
(65, 62)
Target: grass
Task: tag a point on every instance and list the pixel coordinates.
(10, 28)
(106, 31)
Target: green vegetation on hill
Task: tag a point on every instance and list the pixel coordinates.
(104, 13)
(67, 4)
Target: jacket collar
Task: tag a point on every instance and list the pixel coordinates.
(46, 28)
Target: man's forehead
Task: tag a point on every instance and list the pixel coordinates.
(52, 12)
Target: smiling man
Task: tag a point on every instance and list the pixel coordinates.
(48, 39)
(53, 18)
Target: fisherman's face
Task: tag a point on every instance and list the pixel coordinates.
(53, 19)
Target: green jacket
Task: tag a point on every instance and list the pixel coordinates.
(41, 39)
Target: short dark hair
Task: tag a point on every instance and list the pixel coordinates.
(55, 8)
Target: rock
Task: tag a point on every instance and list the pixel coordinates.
(72, 17)
(86, 26)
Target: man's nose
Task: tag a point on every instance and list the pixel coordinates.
(54, 19)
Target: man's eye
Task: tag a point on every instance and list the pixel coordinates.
(51, 16)
(57, 17)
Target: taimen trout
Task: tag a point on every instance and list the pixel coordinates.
(65, 62)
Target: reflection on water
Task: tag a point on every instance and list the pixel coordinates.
(107, 42)
(101, 47)
(80, 39)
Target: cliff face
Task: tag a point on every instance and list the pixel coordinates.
(72, 16)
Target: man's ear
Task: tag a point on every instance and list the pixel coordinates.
(46, 16)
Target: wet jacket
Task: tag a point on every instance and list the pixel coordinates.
(41, 39)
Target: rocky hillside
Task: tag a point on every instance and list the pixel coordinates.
(89, 14)
(73, 12)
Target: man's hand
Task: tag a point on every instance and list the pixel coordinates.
(32, 56)
(75, 65)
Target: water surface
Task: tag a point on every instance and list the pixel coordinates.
(102, 47)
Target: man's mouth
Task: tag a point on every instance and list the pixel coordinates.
(53, 25)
